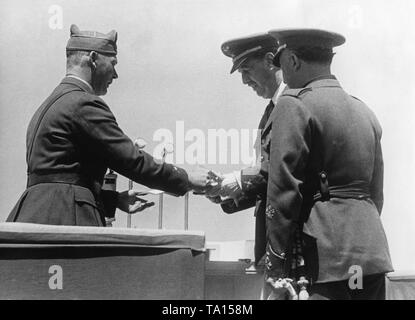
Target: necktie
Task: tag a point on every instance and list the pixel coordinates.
(266, 115)
(261, 126)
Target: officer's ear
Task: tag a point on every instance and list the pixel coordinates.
(93, 56)
(294, 61)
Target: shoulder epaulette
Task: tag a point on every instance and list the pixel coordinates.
(295, 92)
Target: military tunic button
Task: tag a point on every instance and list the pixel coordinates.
(282, 254)
(262, 158)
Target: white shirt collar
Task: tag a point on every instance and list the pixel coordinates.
(82, 80)
(279, 91)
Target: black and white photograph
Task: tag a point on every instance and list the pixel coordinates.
(207, 150)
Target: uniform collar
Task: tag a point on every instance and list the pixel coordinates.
(323, 81)
(318, 82)
(80, 83)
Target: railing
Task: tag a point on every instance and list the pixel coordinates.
(110, 182)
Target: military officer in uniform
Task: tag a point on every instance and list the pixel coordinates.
(325, 174)
(73, 138)
(253, 57)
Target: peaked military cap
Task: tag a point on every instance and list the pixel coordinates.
(92, 41)
(296, 38)
(241, 49)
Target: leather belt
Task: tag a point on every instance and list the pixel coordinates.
(355, 190)
(63, 177)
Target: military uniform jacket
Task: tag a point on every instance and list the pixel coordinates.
(254, 188)
(72, 140)
(320, 128)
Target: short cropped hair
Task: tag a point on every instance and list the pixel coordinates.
(314, 54)
(74, 58)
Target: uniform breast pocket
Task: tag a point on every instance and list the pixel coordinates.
(86, 209)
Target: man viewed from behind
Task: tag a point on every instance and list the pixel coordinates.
(325, 175)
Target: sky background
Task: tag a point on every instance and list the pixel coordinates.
(171, 69)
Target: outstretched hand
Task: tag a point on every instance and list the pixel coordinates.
(130, 202)
(226, 189)
(202, 180)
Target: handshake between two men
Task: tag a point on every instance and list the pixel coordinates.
(218, 188)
